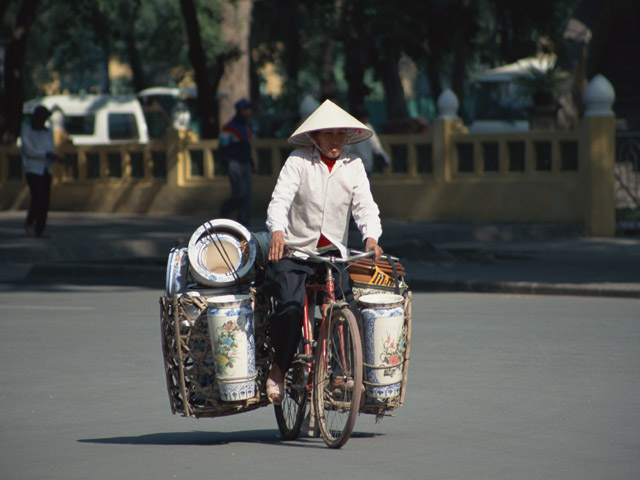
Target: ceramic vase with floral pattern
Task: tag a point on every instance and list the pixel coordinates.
(230, 320)
(384, 346)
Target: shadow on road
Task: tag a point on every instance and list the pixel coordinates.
(216, 438)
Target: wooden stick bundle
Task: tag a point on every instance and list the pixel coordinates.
(366, 267)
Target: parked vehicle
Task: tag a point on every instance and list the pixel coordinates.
(170, 106)
(91, 119)
(498, 103)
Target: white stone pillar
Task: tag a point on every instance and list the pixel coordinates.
(448, 104)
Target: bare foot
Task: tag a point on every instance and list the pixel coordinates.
(275, 387)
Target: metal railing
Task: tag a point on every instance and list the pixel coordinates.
(627, 181)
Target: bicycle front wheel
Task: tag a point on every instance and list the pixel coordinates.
(337, 381)
(290, 413)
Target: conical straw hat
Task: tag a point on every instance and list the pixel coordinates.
(326, 116)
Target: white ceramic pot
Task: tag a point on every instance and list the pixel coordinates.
(177, 269)
(230, 320)
(384, 347)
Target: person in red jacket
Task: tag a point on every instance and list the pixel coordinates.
(235, 150)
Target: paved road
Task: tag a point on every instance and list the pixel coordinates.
(500, 387)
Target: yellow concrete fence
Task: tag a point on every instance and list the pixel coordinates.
(446, 174)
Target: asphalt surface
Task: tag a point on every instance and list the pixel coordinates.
(500, 387)
(125, 249)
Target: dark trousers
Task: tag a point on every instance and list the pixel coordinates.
(40, 189)
(240, 176)
(286, 282)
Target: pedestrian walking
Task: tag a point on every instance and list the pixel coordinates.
(38, 155)
(371, 149)
(235, 150)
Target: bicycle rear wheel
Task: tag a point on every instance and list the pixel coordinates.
(337, 379)
(290, 413)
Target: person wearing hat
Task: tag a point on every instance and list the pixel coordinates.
(38, 154)
(318, 189)
(235, 150)
(371, 148)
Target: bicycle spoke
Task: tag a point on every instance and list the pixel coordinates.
(338, 379)
(290, 414)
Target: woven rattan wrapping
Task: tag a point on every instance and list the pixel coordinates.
(378, 407)
(191, 382)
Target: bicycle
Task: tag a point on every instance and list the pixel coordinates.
(328, 363)
(329, 370)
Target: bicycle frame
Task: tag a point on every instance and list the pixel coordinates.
(329, 367)
(329, 301)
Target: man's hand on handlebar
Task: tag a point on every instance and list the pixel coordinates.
(276, 248)
(371, 244)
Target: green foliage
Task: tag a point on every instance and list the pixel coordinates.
(70, 38)
(544, 84)
(512, 30)
(628, 214)
(309, 42)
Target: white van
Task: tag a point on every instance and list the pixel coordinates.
(97, 119)
(498, 104)
(166, 107)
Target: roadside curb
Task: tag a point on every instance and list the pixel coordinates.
(523, 288)
(154, 276)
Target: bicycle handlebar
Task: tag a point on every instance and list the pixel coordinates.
(332, 259)
(384, 256)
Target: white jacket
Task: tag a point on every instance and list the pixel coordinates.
(36, 147)
(309, 200)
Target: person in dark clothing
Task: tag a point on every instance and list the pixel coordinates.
(235, 150)
(38, 155)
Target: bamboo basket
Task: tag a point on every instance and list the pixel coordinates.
(371, 278)
(189, 369)
(378, 407)
(188, 363)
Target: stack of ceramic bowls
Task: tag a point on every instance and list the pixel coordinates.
(221, 253)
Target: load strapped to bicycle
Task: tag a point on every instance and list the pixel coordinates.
(216, 344)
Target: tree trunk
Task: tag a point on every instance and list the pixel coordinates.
(355, 51)
(206, 95)
(459, 68)
(328, 85)
(354, 73)
(584, 39)
(433, 75)
(3, 9)
(12, 98)
(139, 82)
(102, 32)
(293, 45)
(234, 70)
(394, 93)
(129, 11)
(103, 68)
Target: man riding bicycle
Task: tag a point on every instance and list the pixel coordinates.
(318, 190)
